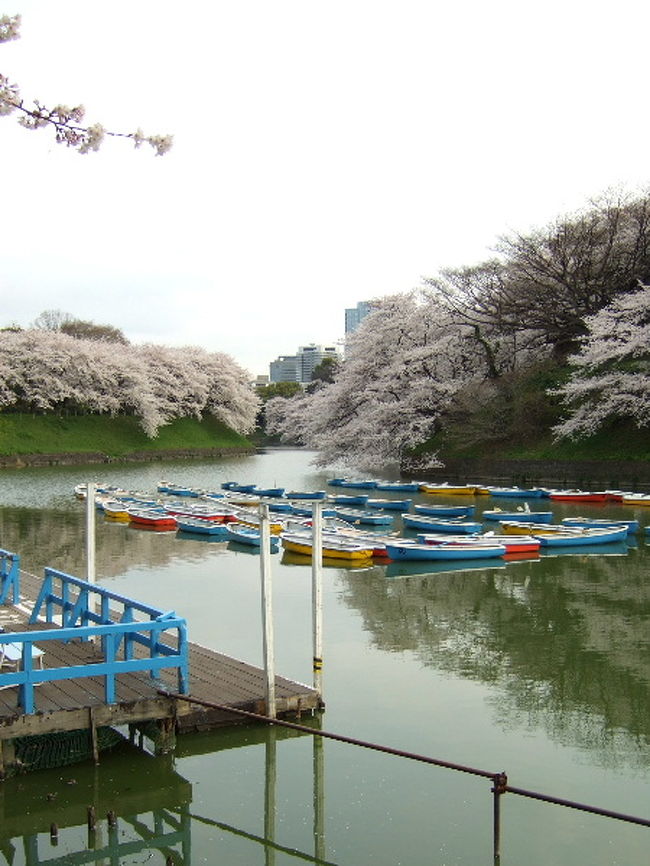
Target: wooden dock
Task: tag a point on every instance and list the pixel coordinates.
(78, 704)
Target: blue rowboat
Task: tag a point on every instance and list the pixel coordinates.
(517, 492)
(595, 523)
(445, 510)
(525, 516)
(408, 551)
(370, 518)
(306, 511)
(248, 535)
(280, 507)
(336, 482)
(349, 500)
(300, 494)
(202, 527)
(268, 491)
(578, 536)
(390, 504)
(433, 524)
(361, 484)
(399, 486)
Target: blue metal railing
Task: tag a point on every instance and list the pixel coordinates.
(88, 612)
(9, 577)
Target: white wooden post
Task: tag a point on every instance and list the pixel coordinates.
(317, 594)
(267, 610)
(90, 532)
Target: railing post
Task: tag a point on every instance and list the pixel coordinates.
(109, 658)
(267, 610)
(500, 783)
(317, 595)
(26, 688)
(90, 532)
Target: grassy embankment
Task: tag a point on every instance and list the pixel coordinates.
(115, 437)
(618, 442)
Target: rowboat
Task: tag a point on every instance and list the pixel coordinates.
(636, 499)
(279, 506)
(250, 536)
(445, 510)
(390, 504)
(520, 527)
(250, 518)
(588, 522)
(370, 518)
(151, 517)
(512, 543)
(267, 491)
(398, 551)
(579, 496)
(559, 534)
(115, 509)
(421, 521)
(343, 499)
(202, 527)
(526, 516)
(399, 486)
(331, 547)
(302, 494)
(359, 484)
(584, 536)
(458, 490)
(203, 511)
(238, 488)
(306, 511)
(517, 492)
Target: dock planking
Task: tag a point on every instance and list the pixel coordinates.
(66, 705)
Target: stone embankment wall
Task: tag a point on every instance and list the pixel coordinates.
(608, 474)
(18, 461)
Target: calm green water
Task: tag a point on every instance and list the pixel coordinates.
(540, 668)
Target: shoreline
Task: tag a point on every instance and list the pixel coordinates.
(78, 458)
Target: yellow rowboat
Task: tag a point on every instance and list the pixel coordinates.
(331, 549)
(459, 490)
(636, 499)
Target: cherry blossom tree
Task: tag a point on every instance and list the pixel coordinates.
(610, 376)
(403, 367)
(66, 121)
(50, 371)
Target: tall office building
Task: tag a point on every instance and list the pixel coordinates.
(354, 315)
(300, 367)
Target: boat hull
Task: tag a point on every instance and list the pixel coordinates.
(398, 552)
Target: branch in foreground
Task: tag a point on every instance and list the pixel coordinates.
(66, 121)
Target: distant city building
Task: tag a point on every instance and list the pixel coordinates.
(300, 367)
(285, 369)
(354, 315)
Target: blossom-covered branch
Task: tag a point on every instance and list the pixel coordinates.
(66, 121)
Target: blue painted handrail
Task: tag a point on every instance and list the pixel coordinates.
(9, 577)
(117, 638)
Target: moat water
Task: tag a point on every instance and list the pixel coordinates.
(539, 668)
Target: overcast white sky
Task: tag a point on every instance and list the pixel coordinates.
(324, 154)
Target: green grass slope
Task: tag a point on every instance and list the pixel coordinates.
(116, 437)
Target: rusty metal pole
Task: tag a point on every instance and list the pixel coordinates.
(498, 789)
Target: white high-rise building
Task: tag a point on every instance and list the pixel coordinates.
(300, 367)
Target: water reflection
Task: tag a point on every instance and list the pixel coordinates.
(565, 639)
(141, 806)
